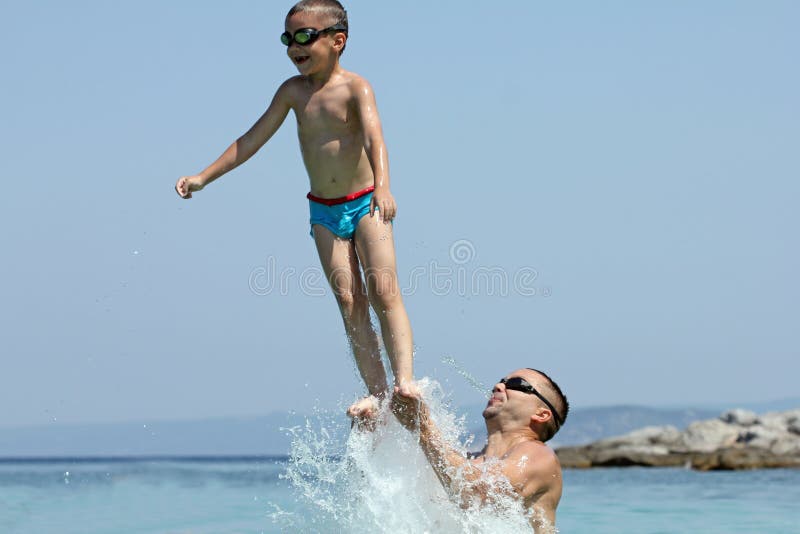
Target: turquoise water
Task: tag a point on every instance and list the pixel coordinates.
(227, 496)
(680, 500)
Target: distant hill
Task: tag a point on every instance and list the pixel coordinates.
(264, 435)
(781, 405)
(585, 425)
(589, 424)
(218, 436)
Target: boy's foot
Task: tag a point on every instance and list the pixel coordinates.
(364, 408)
(364, 412)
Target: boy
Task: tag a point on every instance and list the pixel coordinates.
(351, 206)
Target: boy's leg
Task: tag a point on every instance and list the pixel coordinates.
(375, 246)
(340, 264)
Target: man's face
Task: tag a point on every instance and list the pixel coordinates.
(314, 56)
(512, 402)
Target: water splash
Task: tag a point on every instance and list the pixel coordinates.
(476, 384)
(380, 481)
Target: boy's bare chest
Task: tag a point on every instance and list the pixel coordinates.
(328, 111)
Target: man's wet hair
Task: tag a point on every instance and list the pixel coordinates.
(330, 8)
(561, 403)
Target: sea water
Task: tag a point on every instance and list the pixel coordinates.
(340, 480)
(146, 497)
(380, 481)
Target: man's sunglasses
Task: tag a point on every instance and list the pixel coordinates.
(517, 383)
(306, 36)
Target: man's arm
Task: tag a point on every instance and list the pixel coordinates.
(526, 471)
(375, 148)
(243, 148)
(460, 477)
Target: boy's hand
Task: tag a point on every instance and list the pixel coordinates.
(383, 201)
(187, 185)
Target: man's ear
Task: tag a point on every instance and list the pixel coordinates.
(541, 416)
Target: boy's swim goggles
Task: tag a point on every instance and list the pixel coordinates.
(306, 36)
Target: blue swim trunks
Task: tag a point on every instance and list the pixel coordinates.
(340, 215)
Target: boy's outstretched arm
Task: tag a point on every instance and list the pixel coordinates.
(375, 147)
(244, 147)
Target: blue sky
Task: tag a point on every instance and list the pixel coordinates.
(636, 161)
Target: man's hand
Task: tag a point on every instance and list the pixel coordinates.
(187, 185)
(383, 201)
(407, 409)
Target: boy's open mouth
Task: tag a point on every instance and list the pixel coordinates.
(300, 59)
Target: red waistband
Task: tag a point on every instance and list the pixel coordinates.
(341, 200)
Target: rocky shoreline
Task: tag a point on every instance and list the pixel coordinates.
(737, 439)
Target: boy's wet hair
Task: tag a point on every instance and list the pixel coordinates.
(560, 399)
(329, 8)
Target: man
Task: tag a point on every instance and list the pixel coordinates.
(525, 410)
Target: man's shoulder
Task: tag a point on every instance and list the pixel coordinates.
(535, 455)
(538, 473)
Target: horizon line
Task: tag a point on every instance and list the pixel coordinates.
(199, 419)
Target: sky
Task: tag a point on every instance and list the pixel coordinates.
(603, 190)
